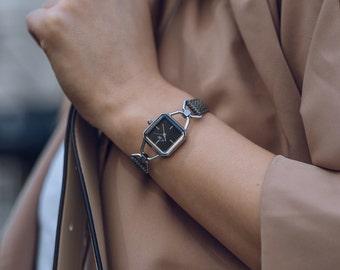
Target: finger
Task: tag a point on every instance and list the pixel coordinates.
(35, 25)
(34, 19)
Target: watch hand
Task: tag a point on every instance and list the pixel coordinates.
(164, 134)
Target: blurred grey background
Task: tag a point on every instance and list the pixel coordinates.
(29, 101)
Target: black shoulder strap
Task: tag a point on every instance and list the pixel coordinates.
(80, 211)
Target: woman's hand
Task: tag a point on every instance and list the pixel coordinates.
(101, 51)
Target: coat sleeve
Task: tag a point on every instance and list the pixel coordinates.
(18, 245)
(300, 210)
(300, 216)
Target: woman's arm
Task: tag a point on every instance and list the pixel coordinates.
(216, 175)
(104, 57)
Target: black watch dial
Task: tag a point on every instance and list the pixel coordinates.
(164, 135)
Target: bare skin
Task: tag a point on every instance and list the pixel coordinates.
(106, 63)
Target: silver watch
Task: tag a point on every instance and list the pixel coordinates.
(164, 135)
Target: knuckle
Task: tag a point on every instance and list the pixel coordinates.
(55, 22)
(51, 26)
(46, 26)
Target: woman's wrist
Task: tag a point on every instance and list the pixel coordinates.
(125, 120)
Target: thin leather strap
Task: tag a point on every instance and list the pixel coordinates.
(89, 166)
(80, 208)
(72, 225)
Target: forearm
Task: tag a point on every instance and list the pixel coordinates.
(216, 176)
(106, 63)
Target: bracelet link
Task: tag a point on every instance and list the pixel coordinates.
(141, 161)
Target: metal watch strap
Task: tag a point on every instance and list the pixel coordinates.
(141, 162)
(197, 106)
(196, 110)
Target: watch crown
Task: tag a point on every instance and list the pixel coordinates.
(150, 121)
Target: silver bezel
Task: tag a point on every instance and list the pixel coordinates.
(178, 142)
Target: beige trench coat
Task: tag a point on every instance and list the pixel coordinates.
(270, 69)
